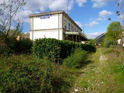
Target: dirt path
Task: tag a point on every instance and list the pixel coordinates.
(103, 75)
(102, 58)
(85, 71)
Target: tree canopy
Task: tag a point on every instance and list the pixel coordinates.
(113, 31)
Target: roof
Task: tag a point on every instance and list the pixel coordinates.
(55, 12)
(46, 13)
(100, 37)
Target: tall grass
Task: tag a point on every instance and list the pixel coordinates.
(77, 59)
(106, 74)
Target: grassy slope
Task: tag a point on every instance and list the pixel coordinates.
(7, 62)
(104, 75)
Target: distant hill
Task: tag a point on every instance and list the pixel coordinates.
(100, 38)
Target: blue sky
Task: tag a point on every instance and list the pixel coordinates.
(91, 15)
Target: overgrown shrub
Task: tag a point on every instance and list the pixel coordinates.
(109, 51)
(56, 50)
(34, 77)
(109, 43)
(13, 46)
(4, 50)
(24, 46)
(76, 60)
(11, 43)
(92, 42)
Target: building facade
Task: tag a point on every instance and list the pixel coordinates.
(56, 25)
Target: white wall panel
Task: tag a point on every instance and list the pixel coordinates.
(47, 23)
(47, 34)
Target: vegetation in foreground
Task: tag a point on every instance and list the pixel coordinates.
(105, 74)
(26, 74)
(22, 72)
(76, 60)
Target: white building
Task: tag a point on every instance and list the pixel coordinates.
(56, 25)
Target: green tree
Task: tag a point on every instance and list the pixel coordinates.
(92, 42)
(113, 33)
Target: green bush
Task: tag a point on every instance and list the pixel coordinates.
(4, 49)
(56, 50)
(11, 43)
(108, 43)
(34, 77)
(76, 60)
(23, 46)
(92, 42)
(47, 48)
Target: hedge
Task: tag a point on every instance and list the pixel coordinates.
(57, 50)
(24, 46)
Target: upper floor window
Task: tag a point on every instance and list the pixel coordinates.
(69, 26)
(75, 29)
(72, 28)
(65, 27)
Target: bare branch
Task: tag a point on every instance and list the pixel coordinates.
(8, 11)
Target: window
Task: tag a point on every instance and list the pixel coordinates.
(74, 29)
(65, 27)
(69, 27)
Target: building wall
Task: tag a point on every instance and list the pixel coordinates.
(52, 26)
(47, 23)
(47, 34)
(46, 27)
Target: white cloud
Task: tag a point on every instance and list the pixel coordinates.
(122, 17)
(122, 1)
(78, 23)
(61, 4)
(81, 2)
(33, 6)
(93, 35)
(100, 3)
(100, 19)
(42, 5)
(105, 13)
(92, 23)
(23, 15)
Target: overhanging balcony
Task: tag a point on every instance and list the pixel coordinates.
(75, 36)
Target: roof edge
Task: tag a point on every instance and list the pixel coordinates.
(55, 12)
